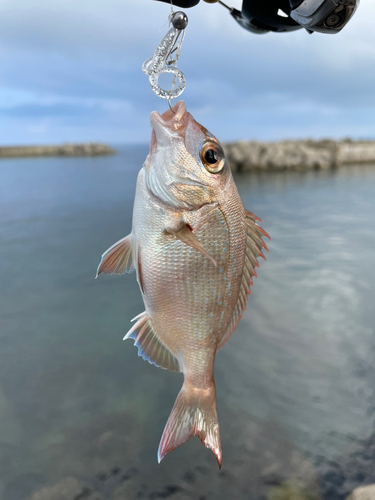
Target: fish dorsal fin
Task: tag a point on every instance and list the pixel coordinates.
(118, 259)
(254, 245)
(150, 347)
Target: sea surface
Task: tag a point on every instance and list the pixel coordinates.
(81, 413)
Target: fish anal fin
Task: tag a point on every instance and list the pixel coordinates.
(150, 347)
(253, 251)
(118, 259)
(186, 235)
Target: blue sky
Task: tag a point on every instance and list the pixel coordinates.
(71, 71)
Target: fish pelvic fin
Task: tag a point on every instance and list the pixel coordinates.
(118, 259)
(194, 413)
(150, 346)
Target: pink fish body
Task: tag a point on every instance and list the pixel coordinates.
(194, 248)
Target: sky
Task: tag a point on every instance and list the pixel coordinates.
(70, 71)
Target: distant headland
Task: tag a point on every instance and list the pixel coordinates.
(244, 156)
(85, 149)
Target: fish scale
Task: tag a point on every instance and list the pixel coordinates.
(171, 269)
(194, 248)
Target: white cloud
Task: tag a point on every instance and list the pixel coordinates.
(86, 56)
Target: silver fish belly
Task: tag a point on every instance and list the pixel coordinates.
(194, 248)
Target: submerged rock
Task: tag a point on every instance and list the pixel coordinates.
(363, 493)
(67, 489)
(291, 491)
(112, 459)
(348, 473)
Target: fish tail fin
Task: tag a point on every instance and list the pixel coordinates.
(194, 413)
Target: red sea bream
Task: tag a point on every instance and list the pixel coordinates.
(194, 248)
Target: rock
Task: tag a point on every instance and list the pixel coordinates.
(363, 493)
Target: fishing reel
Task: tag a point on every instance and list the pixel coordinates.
(262, 16)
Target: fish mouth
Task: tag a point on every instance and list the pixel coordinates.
(173, 119)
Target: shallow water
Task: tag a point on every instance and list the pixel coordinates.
(295, 380)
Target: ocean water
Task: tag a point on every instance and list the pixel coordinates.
(81, 414)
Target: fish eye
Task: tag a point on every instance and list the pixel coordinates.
(212, 157)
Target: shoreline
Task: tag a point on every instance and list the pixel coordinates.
(243, 156)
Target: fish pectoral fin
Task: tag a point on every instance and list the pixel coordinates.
(197, 218)
(150, 347)
(186, 235)
(118, 259)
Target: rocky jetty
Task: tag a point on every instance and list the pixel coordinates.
(85, 149)
(245, 156)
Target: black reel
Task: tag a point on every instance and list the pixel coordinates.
(262, 16)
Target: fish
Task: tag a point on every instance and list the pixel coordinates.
(195, 251)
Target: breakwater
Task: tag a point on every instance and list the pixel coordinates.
(297, 154)
(85, 149)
